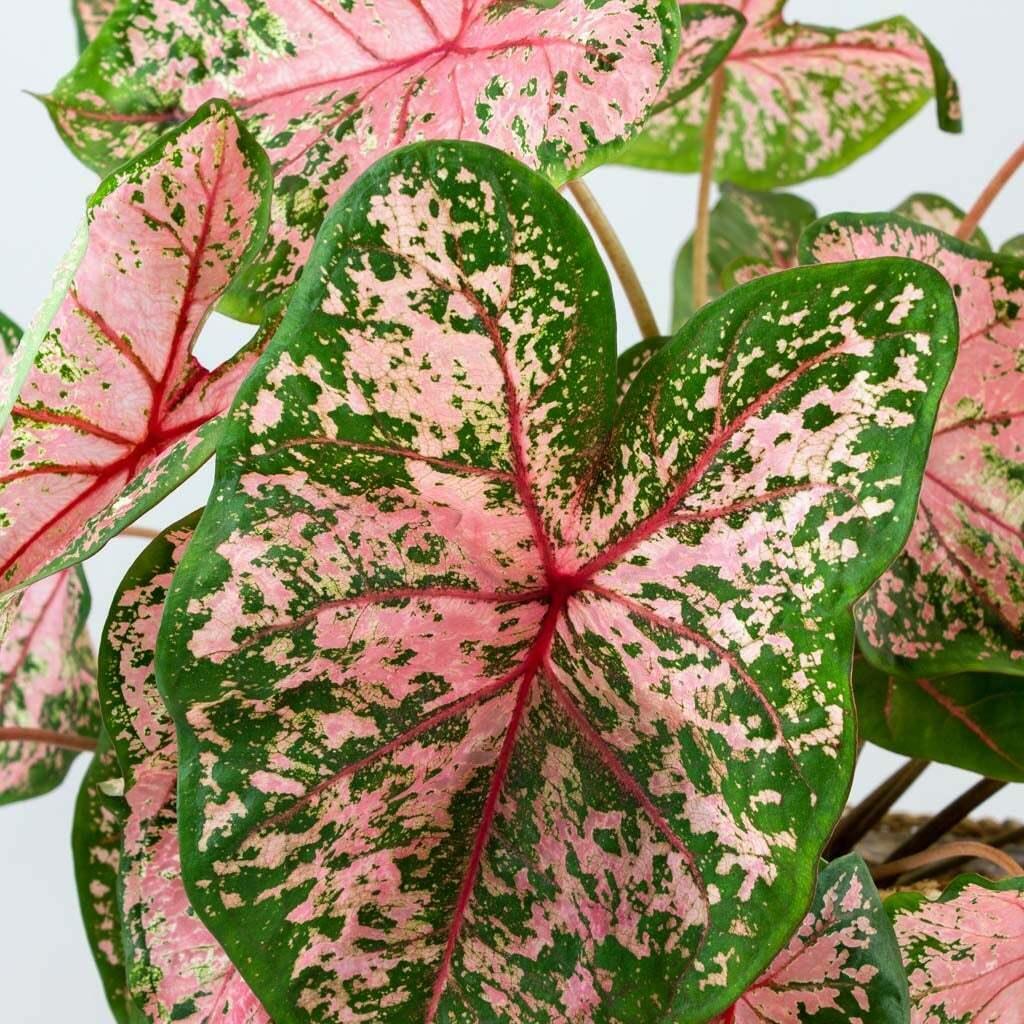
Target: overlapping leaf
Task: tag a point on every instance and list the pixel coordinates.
(115, 410)
(938, 212)
(842, 965)
(954, 600)
(176, 969)
(1014, 246)
(96, 836)
(964, 951)
(499, 698)
(800, 100)
(89, 17)
(329, 86)
(750, 234)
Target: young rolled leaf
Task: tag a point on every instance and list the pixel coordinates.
(90, 16)
(973, 720)
(954, 599)
(115, 411)
(499, 697)
(758, 230)
(842, 965)
(801, 101)
(330, 86)
(938, 212)
(176, 970)
(96, 837)
(964, 951)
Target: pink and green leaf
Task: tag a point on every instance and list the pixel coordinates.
(954, 599)
(90, 16)
(500, 696)
(330, 86)
(964, 951)
(801, 101)
(842, 965)
(109, 409)
(938, 212)
(176, 970)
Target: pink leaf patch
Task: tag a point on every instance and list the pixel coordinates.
(954, 600)
(964, 951)
(115, 410)
(90, 16)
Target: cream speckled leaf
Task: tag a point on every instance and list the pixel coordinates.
(114, 410)
(964, 951)
(842, 965)
(801, 101)
(495, 696)
(176, 970)
(954, 599)
(329, 86)
(938, 212)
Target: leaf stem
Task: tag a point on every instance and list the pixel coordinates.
(870, 811)
(992, 189)
(139, 531)
(618, 257)
(946, 852)
(702, 234)
(67, 741)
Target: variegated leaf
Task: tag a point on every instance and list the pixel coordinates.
(1013, 246)
(974, 720)
(954, 600)
(633, 360)
(329, 86)
(801, 101)
(756, 230)
(96, 836)
(937, 212)
(89, 17)
(964, 951)
(114, 410)
(842, 965)
(501, 699)
(176, 969)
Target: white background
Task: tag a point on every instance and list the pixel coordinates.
(46, 975)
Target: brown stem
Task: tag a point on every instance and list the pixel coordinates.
(68, 741)
(620, 261)
(946, 852)
(992, 189)
(1004, 838)
(702, 234)
(870, 811)
(948, 818)
(140, 531)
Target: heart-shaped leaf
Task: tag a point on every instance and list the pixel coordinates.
(498, 697)
(937, 212)
(842, 965)
(964, 951)
(89, 18)
(176, 970)
(1014, 246)
(974, 720)
(759, 231)
(329, 86)
(954, 600)
(96, 836)
(801, 101)
(114, 410)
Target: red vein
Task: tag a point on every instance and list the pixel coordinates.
(75, 422)
(115, 339)
(972, 504)
(58, 469)
(9, 678)
(825, 50)
(64, 740)
(749, 503)
(996, 419)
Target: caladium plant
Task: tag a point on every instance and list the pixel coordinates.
(797, 101)
(938, 212)
(90, 16)
(493, 694)
(328, 87)
(964, 951)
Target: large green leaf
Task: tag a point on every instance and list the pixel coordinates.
(801, 101)
(842, 965)
(755, 231)
(329, 86)
(954, 600)
(964, 951)
(496, 697)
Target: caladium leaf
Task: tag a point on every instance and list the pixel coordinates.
(964, 951)
(90, 16)
(842, 965)
(499, 697)
(115, 411)
(176, 969)
(801, 101)
(761, 230)
(330, 86)
(1013, 246)
(973, 720)
(954, 600)
(96, 836)
(937, 212)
